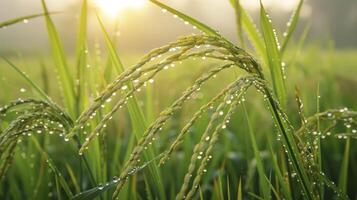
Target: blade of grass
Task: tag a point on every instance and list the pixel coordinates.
(273, 53)
(272, 188)
(319, 155)
(264, 186)
(238, 14)
(137, 116)
(81, 55)
(201, 193)
(73, 178)
(254, 35)
(300, 44)
(203, 27)
(54, 169)
(96, 191)
(20, 19)
(284, 184)
(291, 26)
(195, 23)
(59, 57)
(58, 189)
(239, 193)
(228, 186)
(28, 79)
(342, 182)
(292, 150)
(138, 120)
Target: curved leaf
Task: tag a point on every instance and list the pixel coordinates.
(273, 53)
(59, 57)
(19, 19)
(291, 26)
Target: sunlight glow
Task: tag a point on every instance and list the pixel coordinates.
(114, 7)
(286, 5)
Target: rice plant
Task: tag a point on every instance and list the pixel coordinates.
(99, 170)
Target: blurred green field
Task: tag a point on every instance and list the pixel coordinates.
(248, 161)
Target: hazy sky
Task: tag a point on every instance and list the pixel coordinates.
(140, 29)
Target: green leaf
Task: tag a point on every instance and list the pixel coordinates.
(292, 149)
(273, 53)
(238, 14)
(278, 174)
(28, 79)
(82, 31)
(73, 177)
(299, 45)
(19, 19)
(138, 120)
(239, 193)
(342, 182)
(59, 57)
(60, 181)
(94, 192)
(203, 27)
(272, 188)
(81, 56)
(254, 35)
(136, 114)
(264, 185)
(291, 26)
(245, 23)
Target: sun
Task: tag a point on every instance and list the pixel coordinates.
(114, 7)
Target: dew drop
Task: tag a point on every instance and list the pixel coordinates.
(115, 179)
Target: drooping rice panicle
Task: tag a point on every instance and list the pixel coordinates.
(5, 164)
(197, 154)
(139, 84)
(166, 114)
(203, 109)
(207, 154)
(238, 56)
